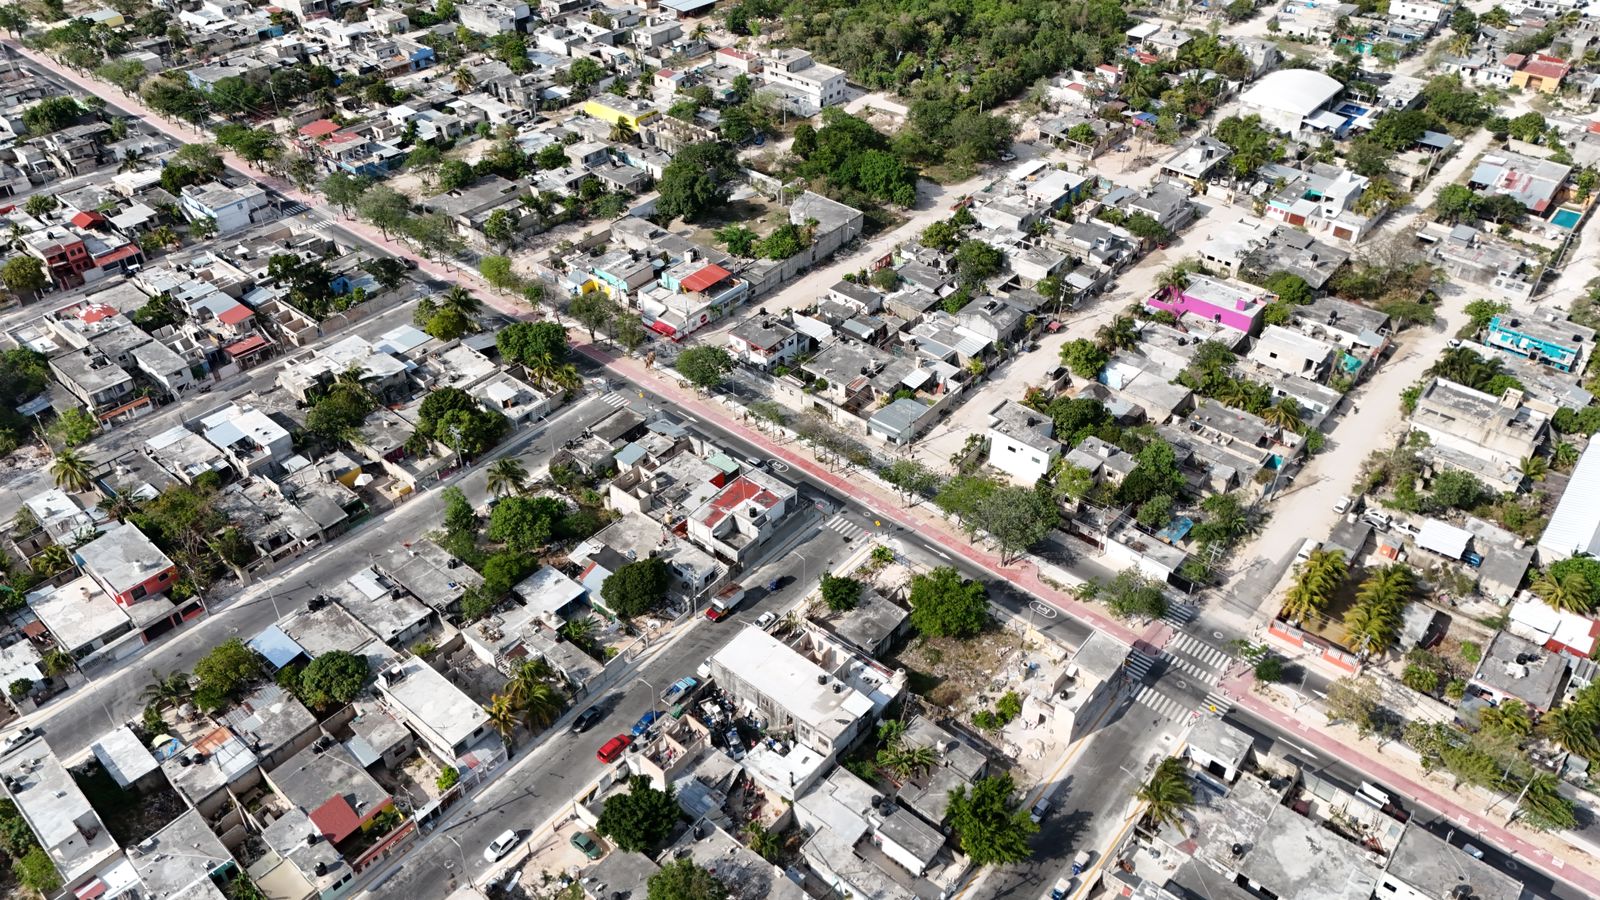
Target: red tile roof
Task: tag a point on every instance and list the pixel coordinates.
(87, 217)
(1513, 61)
(235, 314)
(319, 128)
(1547, 66)
(249, 345)
(95, 312)
(739, 491)
(335, 819)
(120, 253)
(705, 278)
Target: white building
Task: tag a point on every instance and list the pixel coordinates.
(1022, 442)
(445, 718)
(1429, 14)
(742, 516)
(232, 208)
(815, 85)
(1575, 526)
(1292, 101)
(760, 673)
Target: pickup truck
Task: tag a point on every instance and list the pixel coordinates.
(725, 602)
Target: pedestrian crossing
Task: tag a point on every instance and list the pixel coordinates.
(615, 399)
(1171, 709)
(1139, 664)
(1191, 669)
(842, 524)
(294, 209)
(1179, 613)
(319, 225)
(1216, 703)
(1193, 647)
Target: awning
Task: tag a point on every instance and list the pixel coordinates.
(91, 890)
(247, 346)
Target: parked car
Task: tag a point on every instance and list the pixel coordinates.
(766, 619)
(610, 750)
(1307, 547)
(500, 846)
(1342, 505)
(12, 742)
(1007, 156)
(678, 689)
(1063, 888)
(586, 844)
(1039, 811)
(1080, 862)
(1378, 519)
(1472, 851)
(587, 719)
(645, 721)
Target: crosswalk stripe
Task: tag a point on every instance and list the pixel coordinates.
(1188, 668)
(845, 527)
(1159, 703)
(1200, 650)
(1216, 704)
(614, 399)
(1180, 613)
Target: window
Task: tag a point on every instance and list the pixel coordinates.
(137, 593)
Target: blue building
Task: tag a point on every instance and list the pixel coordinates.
(1557, 343)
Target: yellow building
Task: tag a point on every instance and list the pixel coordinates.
(613, 109)
(1538, 72)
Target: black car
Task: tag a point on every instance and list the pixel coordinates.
(587, 719)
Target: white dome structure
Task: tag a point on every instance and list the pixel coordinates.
(1286, 98)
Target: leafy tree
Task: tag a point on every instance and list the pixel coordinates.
(1084, 357)
(841, 593)
(51, 114)
(696, 180)
(225, 671)
(497, 271)
(23, 276)
(36, 871)
(785, 241)
(529, 343)
(977, 262)
(453, 174)
(1131, 594)
(637, 587)
(910, 477)
(385, 208)
(944, 604)
(333, 677)
(1355, 700)
(525, 524)
(74, 427)
(1454, 489)
(705, 366)
(739, 240)
(941, 235)
(640, 820)
(685, 879)
(447, 325)
(1456, 203)
(989, 827)
(1289, 288)
(1016, 518)
(593, 311)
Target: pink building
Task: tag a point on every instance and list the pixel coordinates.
(1223, 301)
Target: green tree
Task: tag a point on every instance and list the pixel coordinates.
(944, 604)
(685, 879)
(333, 677)
(525, 524)
(23, 276)
(74, 427)
(739, 240)
(1084, 357)
(225, 671)
(384, 208)
(990, 829)
(977, 262)
(911, 478)
(1456, 203)
(497, 270)
(72, 471)
(1355, 700)
(532, 343)
(696, 180)
(593, 311)
(636, 587)
(640, 820)
(506, 476)
(36, 871)
(705, 366)
(840, 593)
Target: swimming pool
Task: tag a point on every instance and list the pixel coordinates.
(1567, 218)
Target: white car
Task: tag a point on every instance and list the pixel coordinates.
(500, 846)
(765, 620)
(1342, 505)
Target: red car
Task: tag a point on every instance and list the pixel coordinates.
(613, 748)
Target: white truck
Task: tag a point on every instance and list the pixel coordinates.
(725, 602)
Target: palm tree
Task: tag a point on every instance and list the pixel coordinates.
(503, 716)
(1573, 727)
(1319, 577)
(1534, 468)
(622, 132)
(580, 630)
(1173, 278)
(541, 705)
(50, 560)
(890, 731)
(546, 371)
(72, 471)
(1380, 193)
(462, 300)
(1167, 794)
(1285, 414)
(462, 79)
(1569, 593)
(171, 689)
(1564, 456)
(1118, 334)
(507, 476)
(120, 504)
(58, 662)
(1233, 392)
(1375, 619)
